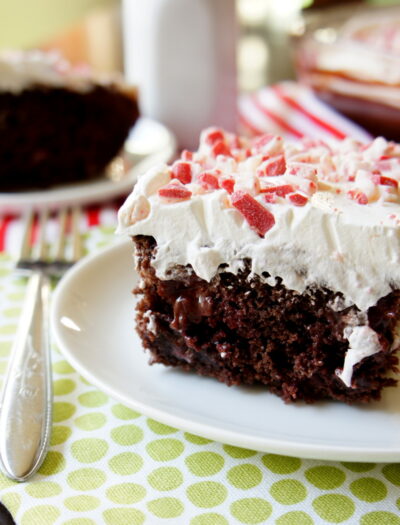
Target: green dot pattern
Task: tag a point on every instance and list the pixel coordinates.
(89, 450)
(110, 464)
(380, 517)
(334, 508)
(369, 489)
(207, 493)
(127, 435)
(126, 493)
(288, 491)
(209, 518)
(295, 517)
(325, 477)
(244, 476)
(165, 478)
(92, 421)
(251, 510)
(204, 463)
(166, 507)
(60, 434)
(62, 387)
(281, 464)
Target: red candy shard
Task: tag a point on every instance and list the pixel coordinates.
(182, 171)
(175, 191)
(214, 136)
(358, 196)
(270, 197)
(220, 148)
(274, 166)
(385, 181)
(259, 218)
(298, 200)
(279, 190)
(208, 181)
(187, 155)
(228, 185)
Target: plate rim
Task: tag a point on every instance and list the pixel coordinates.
(269, 445)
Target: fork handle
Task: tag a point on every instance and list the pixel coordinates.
(26, 404)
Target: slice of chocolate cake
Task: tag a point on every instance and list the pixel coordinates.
(58, 124)
(265, 262)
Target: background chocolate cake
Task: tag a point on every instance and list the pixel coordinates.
(58, 124)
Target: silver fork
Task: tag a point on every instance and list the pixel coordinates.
(27, 397)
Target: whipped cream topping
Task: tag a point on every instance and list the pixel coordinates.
(311, 213)
(363, 342)
(20, 70)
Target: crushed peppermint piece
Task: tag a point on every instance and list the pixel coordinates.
(182, 171)
(213, 136)
(220, 148)
(175, 191)
(208, 181)
(385, 181)
(187, 155)
(298, 199)
(259, 218)
(228, 185)
(274, 166)
(282, 190)
(270, 198)
(358, 196)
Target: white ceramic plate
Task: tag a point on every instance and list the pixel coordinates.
(149, 142)
(92, 318)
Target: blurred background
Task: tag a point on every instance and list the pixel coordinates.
(90, 31)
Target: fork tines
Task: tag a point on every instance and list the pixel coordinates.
(51, 242)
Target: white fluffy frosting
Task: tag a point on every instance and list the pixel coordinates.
(20, 70)
(335, 240)
(363, 342)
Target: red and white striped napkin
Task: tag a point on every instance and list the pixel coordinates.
(11, 226)
(292, 110)
(288, 109)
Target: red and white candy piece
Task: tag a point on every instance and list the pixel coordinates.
(208, 180)
(228, 184)
(273, 166)
(379, 179)
(358, 196)
(298, 199)
(281, 191)
(182, 171)
(175, 191)
(259, 218)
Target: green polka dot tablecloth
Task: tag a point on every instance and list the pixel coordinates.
(111, 465)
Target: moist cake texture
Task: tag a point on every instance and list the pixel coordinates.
(269, 262)
(58, 124)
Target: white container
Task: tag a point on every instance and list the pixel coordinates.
(182, 56)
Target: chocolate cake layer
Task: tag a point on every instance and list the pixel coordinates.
(56, 135)
(242, 331)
